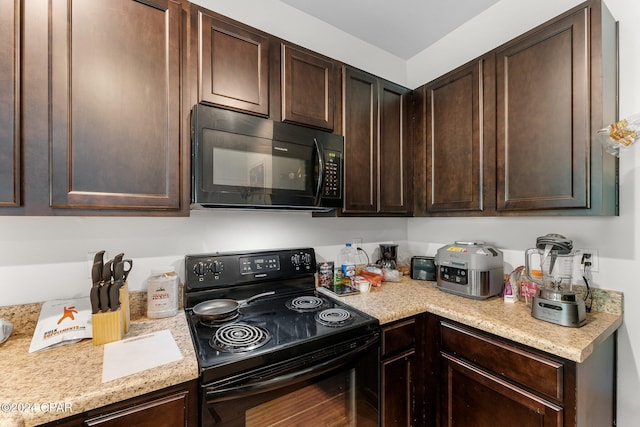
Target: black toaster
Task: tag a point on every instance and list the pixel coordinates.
(423, 268)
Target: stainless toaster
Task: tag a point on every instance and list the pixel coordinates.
(470, 269)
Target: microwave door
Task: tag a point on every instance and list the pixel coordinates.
(241, 170)
(294, 173)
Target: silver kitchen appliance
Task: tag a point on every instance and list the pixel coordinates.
(556, 301)
(470, 269)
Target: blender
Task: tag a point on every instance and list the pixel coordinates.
(556, 302)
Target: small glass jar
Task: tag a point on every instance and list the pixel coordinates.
(162, 293)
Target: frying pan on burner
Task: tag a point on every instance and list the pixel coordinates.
(217, 309)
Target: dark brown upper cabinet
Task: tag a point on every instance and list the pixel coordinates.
(377, 152)
(458, 161)
(114, 80)
(233, 65)
(514, 132)
(309, 88)
(361, 142)
(555, 88)
(10, 144)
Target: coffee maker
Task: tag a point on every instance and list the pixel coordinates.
(556, 302)
(388, 256)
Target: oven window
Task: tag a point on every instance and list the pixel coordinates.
(344, 398)
(329, 400)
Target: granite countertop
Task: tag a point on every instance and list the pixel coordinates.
(60, 382)
(397, 300)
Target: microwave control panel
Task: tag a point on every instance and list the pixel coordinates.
(332, 174)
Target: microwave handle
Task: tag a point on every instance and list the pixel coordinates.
(320, 173)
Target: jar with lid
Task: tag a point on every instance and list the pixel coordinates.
(162, 293)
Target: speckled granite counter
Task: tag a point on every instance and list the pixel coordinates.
(59, 382)
(394, 301)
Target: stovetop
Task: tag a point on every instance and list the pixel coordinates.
(296, 321)
(290, 333)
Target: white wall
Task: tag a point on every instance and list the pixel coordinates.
(46, 258)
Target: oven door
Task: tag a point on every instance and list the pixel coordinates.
(332, 387)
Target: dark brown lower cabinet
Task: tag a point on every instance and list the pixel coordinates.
(477, 379)
(171, 407)
(474, 397)
(401, 391)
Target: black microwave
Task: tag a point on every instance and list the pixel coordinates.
(249, 162)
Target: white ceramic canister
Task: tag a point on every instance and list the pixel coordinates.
(162, 292)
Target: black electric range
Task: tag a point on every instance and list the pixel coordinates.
(290, 330)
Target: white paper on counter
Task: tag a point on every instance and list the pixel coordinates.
(136, 354)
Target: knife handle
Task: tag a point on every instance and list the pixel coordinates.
(114, 296)
(104, 297)
(94, 297)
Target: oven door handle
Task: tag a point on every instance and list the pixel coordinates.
(214, 395)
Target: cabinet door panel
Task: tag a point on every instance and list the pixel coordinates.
(115, 69)
(360, 134)
(308, 88)
(454, 145)
(234, 66)
(397, 391)
(10, 171)
(544, 135)
(392, 147)
(168, 411)
(471, 396)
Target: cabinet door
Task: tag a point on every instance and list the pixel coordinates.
(397, 388)
(115, 104)
(543, 118)
(9, 103)
(471, 396)
(169, 411)
(393, 148)
(233, 66)
(398, 375)
(308, 88)
(360, 142)
(454, 141)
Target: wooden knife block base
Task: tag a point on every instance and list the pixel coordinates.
(107, 327)
(113, 325)
(125, 306)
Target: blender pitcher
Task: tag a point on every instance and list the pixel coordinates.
(556, 263)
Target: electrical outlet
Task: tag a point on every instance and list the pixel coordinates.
(593, 258)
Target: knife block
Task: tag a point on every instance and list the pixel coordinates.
(107, 327)
(125, 306)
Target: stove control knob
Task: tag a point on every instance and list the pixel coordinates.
(295, 260)
(200, 269)
(307, 258)
(216, 267)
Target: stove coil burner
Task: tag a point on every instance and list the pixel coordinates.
(334, 317)
(305, 303)
(239, 337)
